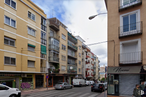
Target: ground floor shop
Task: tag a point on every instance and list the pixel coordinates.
(122, 80)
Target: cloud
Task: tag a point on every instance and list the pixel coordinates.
(74, 14)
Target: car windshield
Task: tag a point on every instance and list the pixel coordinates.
(60, 83)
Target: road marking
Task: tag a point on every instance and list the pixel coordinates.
(66, 94)
(84, 95)
(75, 94)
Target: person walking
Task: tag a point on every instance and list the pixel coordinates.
(136, 91)
(142, 87)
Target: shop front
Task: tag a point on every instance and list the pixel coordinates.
(122, 80)
(10, 79)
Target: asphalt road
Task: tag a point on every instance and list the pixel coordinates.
(74, 92)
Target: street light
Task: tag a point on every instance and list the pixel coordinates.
(91, 17)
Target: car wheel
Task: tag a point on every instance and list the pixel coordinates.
(13, 96)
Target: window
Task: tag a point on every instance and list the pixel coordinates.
(63, 68)
(51, 33)
(63, 58)
(43, 23)
(9, 41)
(79, 70)
(10, 61)
(80, 62)
(63, 47)
(31, 31)
(3, 88)
(43, 38)
(26, 79)
(63, 37)
(31, 63)
(31, 15)
(10, 22)
(71, 52)
(31, 47)
(80, 47)
(11, 3)
(79, 54)
(127, 2)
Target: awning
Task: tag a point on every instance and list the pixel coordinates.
(43, 49)
(31, 45)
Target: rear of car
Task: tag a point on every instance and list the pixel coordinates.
(79, 82)
(59, 85)
(87, 83)
(97, 87)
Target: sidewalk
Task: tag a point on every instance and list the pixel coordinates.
(103, 94)
(25, 92)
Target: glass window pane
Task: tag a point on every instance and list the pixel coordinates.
(125, 2)
(7, 60)
(13, 4)
(13, 61)
(6, 41)
(7, 2)
(13, 23)
(131, 1)
(33, 17)
(125, 23)
(29, 14)
(12, 43)
(133, 22)
(7, 20)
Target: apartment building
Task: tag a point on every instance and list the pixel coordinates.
(64, 53)
(20, 45)
(126, 46)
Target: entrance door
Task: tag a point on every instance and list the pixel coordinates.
(39, 81)
(127, 83)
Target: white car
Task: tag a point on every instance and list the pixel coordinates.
(91, 82)
(6, 91)
(79, 82)
(88, 83)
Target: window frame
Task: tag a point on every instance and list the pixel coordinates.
(9, 39)
(28, 47)
(63, 37)
(31, 33)
(43, 38)
(11, 4)
(30, 61)
(10, 61)
(10, 21)
(31, 16)
(63, 47)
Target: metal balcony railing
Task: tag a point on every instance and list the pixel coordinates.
(54, 36)
(72, 38)
(72, 63)
(130, 58)
(124, 4)
(72, 69)
(53, 59)
(130, 29)
(53, 47)
(72, 46)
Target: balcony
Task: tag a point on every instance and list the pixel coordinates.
(72, 46)
(54, 25)
(72, 56)
(123, 5)
(54, 47)
(72, 38)
(71, 63)
(130, 29)
(130, 58)
(72, 69)
(43, 69)
(54, 36)
(53, 59)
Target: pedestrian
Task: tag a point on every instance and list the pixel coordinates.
(136, 91)
(142, 85)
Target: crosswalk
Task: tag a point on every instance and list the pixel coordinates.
(62, 93)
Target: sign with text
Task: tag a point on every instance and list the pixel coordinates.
(125, 69)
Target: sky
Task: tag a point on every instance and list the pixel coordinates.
(74, 14)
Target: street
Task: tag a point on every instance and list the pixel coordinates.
(75, 92)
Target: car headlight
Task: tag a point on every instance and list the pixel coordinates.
(17, 89)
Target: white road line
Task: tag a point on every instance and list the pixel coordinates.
(83, 95)
(93, 95)
(55, 94)
(75, 94)
(66, 94)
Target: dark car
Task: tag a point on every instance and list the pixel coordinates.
(97, 87)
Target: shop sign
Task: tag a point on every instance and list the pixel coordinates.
(126, 69)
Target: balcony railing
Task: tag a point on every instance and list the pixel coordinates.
(53, 59)
(54, 25)
(72, 38)
(72, 46)
(72, 56)
(54, 36)
(130, 29)
(130, 58)
(124, 4)
(72, 63)
(54, 47)
(72, 69)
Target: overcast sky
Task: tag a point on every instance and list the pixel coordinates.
(74, 14)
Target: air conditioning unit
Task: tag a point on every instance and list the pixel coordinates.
(23, 75)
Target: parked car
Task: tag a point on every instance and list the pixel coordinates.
(6, 91)
(79, 82)
(88, 83)
(91, 82)
(63, 85)
(98, 87)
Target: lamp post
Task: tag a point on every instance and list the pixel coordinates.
(91, 17)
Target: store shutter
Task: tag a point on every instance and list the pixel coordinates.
(127, 83)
